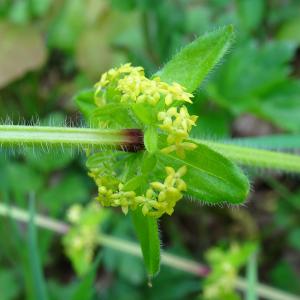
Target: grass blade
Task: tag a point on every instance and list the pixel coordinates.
(39, 288)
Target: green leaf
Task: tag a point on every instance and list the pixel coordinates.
(134, 183)
(251, 13)
(145, 113)
(85, 102)
(149, 162)
(146, 229)
(150, 139)
(97, 159)
(193, 63)
(115, 115)
(210, 176)
(281, 106)
(35, 264)
(271, 95)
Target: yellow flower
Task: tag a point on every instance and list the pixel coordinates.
(105, 196)
(147, 202)
(179, 148)
(113, 75)
(125, 199)
(178, 125)
(178, 93)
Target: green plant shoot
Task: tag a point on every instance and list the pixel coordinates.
(150, 181)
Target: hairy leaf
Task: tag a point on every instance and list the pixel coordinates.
(210, 176)
(192, 64)
(146, 229)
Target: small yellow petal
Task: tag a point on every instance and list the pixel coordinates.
(125, 209)
(157, 185)
(145, 210)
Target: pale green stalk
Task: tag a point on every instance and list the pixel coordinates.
(251, 276)
(131, 248)
(274, 141)
(253, 157)
(11, 135)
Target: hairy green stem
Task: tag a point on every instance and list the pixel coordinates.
(14, 135)
(61, 136)
(274, 141)
(253, 157)
(131, 248)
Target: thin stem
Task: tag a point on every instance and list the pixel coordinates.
(265, 291)
(42, 221)
(251, 275)
(257, 157)
(274, 141)
(63, 136)
(12, 135)
(131, 248)
(174, 261)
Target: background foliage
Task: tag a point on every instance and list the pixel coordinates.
(50, 49)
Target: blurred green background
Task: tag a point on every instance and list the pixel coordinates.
(50, 49)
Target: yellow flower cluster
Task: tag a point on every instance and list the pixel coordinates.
(177, 123)
(111, 78)
(116, 73)
(119, 197)
(136, 88)
(160, 198)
